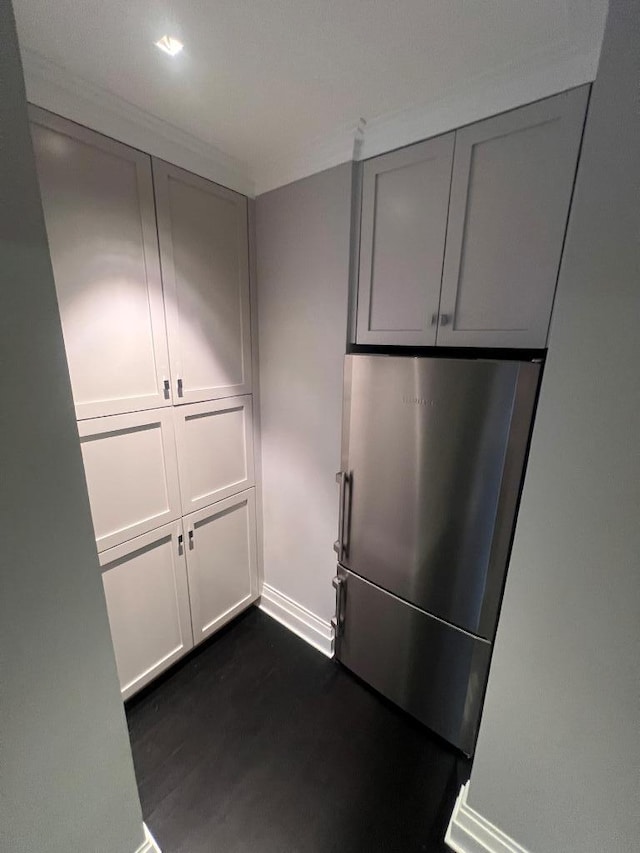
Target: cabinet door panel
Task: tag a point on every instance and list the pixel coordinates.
(221, 562)
(132, 474)
(205, 267)
(145, 584)
(215, 450)
(405, 198)
(510, 196)
(98, 203)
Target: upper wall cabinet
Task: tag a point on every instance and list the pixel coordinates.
(205, 268)
(98, 204)
(510, 180)
(510, 196)
(405, 198)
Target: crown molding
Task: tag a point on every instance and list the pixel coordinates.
(544, 74)
(56, 89)
(541, 75)
(340, 146)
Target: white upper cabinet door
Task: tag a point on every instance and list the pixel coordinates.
(405, 198)
(132, 474)
(221, 562)
(510, 197)
(145, 585)
(215, 450)
(98, 203)
(205, 268)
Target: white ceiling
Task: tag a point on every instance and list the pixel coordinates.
(280, 85)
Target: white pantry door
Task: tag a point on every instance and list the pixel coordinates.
(204, 249)
(221, 562)
(145, 585)
(97, 196)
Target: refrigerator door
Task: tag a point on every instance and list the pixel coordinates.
(436, 672)
(433, 454)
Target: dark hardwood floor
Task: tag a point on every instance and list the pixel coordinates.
(259, 743)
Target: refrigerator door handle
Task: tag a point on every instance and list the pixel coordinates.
(338, 545)
(337, 622)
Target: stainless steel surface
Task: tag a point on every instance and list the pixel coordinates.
(433, 450)
(434, 671)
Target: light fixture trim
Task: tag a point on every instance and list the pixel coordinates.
(169, 44)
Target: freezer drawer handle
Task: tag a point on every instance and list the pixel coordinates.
(338, 545)
(337, 623)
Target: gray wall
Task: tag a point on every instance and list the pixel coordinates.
(67, 777)
(558, 757)
(303, 271)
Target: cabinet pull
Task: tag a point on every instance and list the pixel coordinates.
(180, 542)
(179, 387)
(445, 319)
(434, 319)
(166, 388)
(190, 539)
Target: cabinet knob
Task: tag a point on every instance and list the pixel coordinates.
(445, 319)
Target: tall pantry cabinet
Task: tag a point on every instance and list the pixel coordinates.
(151, 266)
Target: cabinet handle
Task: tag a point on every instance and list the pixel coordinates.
(445, 319)
(179, 387)
(180, 542)
(166, 387)
(434, 319)
(190, 539)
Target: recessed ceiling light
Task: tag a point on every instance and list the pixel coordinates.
(170, 45)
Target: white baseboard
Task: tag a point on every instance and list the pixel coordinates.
(469, 832)
(298, 619)
(149, 845)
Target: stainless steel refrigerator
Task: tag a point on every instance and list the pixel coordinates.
(433, 452)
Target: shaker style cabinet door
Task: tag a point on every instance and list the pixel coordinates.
(221, 562)
(510, 196)
(98, 204)
(215, 450)
(132, 474)
(145, 585)
(205, 269)
(405, 198)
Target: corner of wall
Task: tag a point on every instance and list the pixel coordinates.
(470, 832)
(149, 845)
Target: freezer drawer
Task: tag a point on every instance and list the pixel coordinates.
(436, 672)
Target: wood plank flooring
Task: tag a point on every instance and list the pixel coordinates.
(257, 743)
